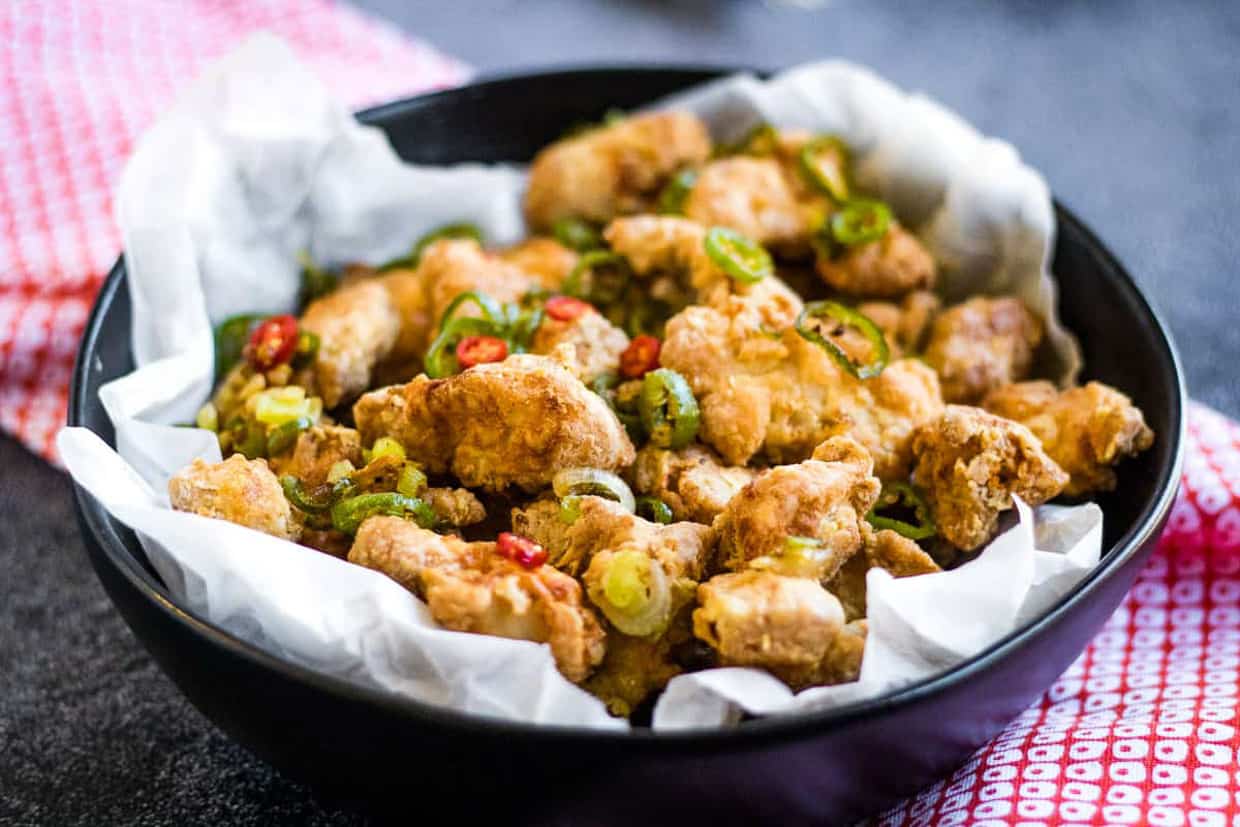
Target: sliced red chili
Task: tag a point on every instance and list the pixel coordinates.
(478, 350)
(640, 357)
(566, 308)
(520, 550)
(272, 343)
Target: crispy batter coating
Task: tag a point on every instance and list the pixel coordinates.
(357, 326)
(1086, 430)
(682, 549)
(546, 259)
(612, 170)
(780, 397)
(825, 501)
(470, 588)
(885, 549)
(452, 266)
(455, 506)
(408, 297)
(786, 625)
(887, 268)
(906, 324)
(591, 345)
(753, 197)
(843, 661)
(982, 344)
(242, 491)
(970, 463)
(317, 450)
(693, 481)
(499, 425)
(632, 668)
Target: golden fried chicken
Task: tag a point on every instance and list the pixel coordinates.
(457, 507)
(1086, 430)
(469, 587)
(242, 491)
(357, 326)
(814, 511)
(693, 481)
(612, 170)
(546, 259)
(970, 463)
(317, 450)
(887, 268)
(452, 266)
(898, 555)
(632, 668)
(906, 324)
(752, 196)
(982, 344)
(408, 296)
(499, 425)
(588, 345)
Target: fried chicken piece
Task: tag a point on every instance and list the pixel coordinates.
(778, 397)
(632, 668)
(1086, 430)
(886, 268)
(409, 298)
(450, 267)
(819, 501)
(786, 625)
(693, 481)
(357, 326)
(682, 549)
(317, 450)
(471, 588)
(970, 463)
(842, 663)
(457, 507)
(546, 259)
(885, 549)
(753, 197)
(242, 491)
(982, 344)
(588, 345)
(499, 425)
(906, 324)
(612, 170)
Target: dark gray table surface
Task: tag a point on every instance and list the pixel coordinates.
(1130, 109)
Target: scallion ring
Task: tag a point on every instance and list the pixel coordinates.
(840, 315)
(905, 496)
(593, 482)
(632, 591)
(348, 514)
(744, 260)
(654, 510)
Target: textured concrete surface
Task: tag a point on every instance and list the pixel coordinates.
(1131, 110)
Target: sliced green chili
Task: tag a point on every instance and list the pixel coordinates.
(410, 261)
(319, 502)
(231, 336)
(676, 192)
(668, 409)
(840, 315)
(605, 386)
(281, 437)
(249, 439)
(348, 514)
(654, 509)
(743, 259)
(576, 234)
(906, 496)
(860, 221)
(825, 162)
(491, 309)
(316, 281)
(441, 356)
(762, 139)
(609, 275)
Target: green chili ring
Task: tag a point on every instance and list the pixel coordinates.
(231, 336)
(833, 184)
(669, 411)
(744, 260)
(672, 198)
(348, 514)
(460, 230)
(600, 292)
(907, 495)
(576, 234)
(845, 315)
(281, 437)
(655, 510)
(441, 356)
(860, 221)
(296, 494)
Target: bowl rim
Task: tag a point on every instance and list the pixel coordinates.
(103, 528)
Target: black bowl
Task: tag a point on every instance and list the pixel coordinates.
(364, 746)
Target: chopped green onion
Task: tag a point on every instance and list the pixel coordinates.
(248, 438)
(825, 163)
(631, 590)
(275, 406)
(655, 510)
(799, 557)
(576, 234)
(412, 480)
(744, 260)
(282, 436)
(841, 315)
(595, 482)
(904, 495)
(608, 273)
(410, 261)
(348, 514)
(676, 192)
(385, 446)
(318, 503)
(231, 336)
(860, 221)
(339, 470)
(570, 509)
(208, 418)
(316, 282)
(668, 409)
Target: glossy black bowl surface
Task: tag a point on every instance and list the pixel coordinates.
(389, 754)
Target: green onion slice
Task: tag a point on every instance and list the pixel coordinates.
(282, 436)
(860, 221)
(668, 409)
(631, 590)
(824, 163)
(655, 510)
(348, 514)
(744, 260)
(599, 277)
(676, 192)
(576, 234)
(906, 496)
(580, 482)
(838, 316)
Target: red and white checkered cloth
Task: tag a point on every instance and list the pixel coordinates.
(1141, 730)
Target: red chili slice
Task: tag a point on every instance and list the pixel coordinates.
(272, 343)
(567, 308)
(640, 357)
(478, 350)
(520, 550)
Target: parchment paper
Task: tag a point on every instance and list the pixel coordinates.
(257, 163)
